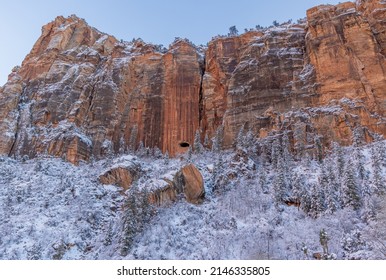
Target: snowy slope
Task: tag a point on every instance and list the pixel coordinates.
(50, 209)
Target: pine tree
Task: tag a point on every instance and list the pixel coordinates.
(359, 161)
(218, 139)
(233, 31)
(138, 212)
(369, 209)
(206, 141)
(332, 192)
(275, 153)
(141, 149)
(190, 153)
(157, 153)
(305, 198)
(378, 180)
(317, 202)
(358, 137)
(166, 158)
(198, 148)
(319, 148)
(217, 170)
(280, 187)
(262, 179)
(334, 199)
(298, 183)
(240, 139)
(121, 145)
(351, 195)
(249, 141)
(323, 239)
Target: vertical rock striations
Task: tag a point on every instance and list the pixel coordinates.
(82, 93)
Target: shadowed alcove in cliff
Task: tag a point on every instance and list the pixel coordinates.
(184, 144)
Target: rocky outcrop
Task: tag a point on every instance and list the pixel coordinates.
(161, 192)
(82, 93)
(322, 78)
(186, 182)
(121, 174)
(189, 181)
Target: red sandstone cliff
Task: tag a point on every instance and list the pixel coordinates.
(82, 93)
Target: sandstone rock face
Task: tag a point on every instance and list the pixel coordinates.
(323, 78)
(162, 192)
(189, 181)
(121, 174)
(82, 93)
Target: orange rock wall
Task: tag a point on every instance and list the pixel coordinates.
(82, 93)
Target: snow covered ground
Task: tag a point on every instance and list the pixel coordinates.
(50, 209)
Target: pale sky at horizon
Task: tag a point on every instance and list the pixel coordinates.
(154, 21)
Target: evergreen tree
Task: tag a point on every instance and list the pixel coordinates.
(359, 162)
(217, 170)
(280, 184)
(329, 187)
(317, 201)
(323, 239)
(305, 198)
(122, 145)
(358, 137)
(190, 153)
(206, 141)
(218, 139)
(275, 153)
(35, 252)
(141, 149)
(369, 209)
(240, 139)
(249, 142)
(166, 158)
(264, 152)
(233, 31)
(334, 193)
(138, 212)
(298, 183)
(198, 148)
(262, 179)
(378, 181)
(157, 153)
(351, 195)
(318, 148)
(339, 163)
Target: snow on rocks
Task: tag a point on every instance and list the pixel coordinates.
(122, 173)
(189, 181)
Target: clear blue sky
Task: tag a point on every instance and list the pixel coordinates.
(153, 20)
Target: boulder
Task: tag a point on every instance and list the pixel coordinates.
(189, 181)
(161, 192)
(122, 175)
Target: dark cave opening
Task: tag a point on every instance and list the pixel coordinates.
(184, 144)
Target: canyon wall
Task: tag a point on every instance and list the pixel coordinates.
(81, 93)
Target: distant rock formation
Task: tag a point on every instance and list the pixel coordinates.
(82, 93)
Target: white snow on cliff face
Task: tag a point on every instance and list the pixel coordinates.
(50, 209)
